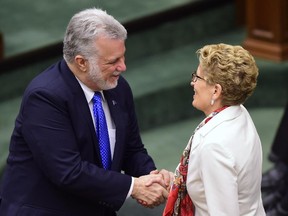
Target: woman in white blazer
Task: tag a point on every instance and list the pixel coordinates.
(220, 170)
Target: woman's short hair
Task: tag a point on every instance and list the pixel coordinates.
(85, 27)
(232, 67)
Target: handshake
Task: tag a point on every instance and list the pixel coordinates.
(153, 189)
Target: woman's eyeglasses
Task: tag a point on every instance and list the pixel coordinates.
(195, 77)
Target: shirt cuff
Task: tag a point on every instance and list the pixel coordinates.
(131, 188)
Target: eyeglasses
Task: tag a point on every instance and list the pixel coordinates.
(195, 77)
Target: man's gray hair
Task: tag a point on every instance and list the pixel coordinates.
(85, 27)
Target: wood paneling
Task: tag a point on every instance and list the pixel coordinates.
(267, 28)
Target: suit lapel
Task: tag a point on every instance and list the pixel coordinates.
(229, 113)
(81, 119)
(118, 117)
(85, 120)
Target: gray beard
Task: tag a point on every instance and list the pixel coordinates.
(96, 76)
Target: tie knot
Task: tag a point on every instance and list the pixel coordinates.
(97, 97)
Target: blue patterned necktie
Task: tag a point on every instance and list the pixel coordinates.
(101, 130)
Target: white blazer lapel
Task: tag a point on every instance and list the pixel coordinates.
(225, 115)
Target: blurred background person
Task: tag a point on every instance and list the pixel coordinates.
(275, 180)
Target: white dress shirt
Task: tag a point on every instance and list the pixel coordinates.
(89, 93)
(110, 124)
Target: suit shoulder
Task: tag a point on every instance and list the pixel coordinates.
(123, 85)
(123, 82)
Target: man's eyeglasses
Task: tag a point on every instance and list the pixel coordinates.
(195, 77)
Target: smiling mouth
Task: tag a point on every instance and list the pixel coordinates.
(116, 74)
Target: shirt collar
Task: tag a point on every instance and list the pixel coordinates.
(89, 93)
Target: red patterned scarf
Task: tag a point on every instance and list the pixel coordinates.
(179, 202)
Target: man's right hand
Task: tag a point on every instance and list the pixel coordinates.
(152, 195)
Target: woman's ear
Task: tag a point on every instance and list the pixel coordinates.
(217, 91)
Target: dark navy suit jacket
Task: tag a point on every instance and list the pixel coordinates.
(54, 165)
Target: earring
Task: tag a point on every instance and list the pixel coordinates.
(212, 102)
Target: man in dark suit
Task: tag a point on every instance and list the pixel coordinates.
(55, 166)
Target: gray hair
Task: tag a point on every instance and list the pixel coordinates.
(85, 27)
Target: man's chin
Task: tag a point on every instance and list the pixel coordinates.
(110, 85)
